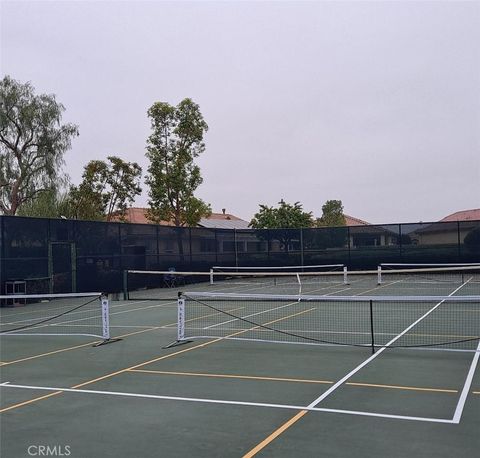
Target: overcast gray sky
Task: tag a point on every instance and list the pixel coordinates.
(373, 103)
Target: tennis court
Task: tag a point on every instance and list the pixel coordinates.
(237, 388)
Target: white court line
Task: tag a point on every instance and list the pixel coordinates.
(375, 355)
(249, 316)
(266, 311)
(69, 322)
(468, 382)
(221, 401)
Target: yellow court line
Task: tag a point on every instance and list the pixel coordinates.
(297, 380)
(275, 434)
(182, 351)
(150, 361)
(145, 363)
(289, 423)
(30, 401)
(107, 376)
(397, 387)
(49, 353)
(153, 328)
(75, 347)
(243, 377)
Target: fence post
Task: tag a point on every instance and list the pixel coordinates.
(235, 245)
(349, 248)
(190, 247)
(459, 251)
(302, 262)
(400, 242)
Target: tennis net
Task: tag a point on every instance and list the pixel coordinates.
(437, 281)
(406, 265)
(291, 269)
(440, 280)
(73, 314)
(140, 284)
(446, 323)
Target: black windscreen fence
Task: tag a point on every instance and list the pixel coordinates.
(40, 255)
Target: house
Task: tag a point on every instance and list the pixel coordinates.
(365, 234)
(139, 216)
(351, 221)
(222, 220)
(463, 215)
(449, 230)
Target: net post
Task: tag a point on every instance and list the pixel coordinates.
(105, 318)
(105, 304)
(345, 275)
(379, 275)
(372, 333)
(180, 323)
(180, 318)
(211, 276)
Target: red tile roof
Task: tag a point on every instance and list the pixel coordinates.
(351, 221)
(463, 215)
(138, 216)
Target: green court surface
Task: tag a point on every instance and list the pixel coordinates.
(226, 398)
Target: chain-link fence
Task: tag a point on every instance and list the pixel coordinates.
(55, 255)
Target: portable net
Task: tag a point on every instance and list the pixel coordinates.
(448, 323)
(81, 314)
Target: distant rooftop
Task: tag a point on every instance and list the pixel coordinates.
(221, 220)
(463, 215)
(351, 221)
(226, 220)
(138, 216)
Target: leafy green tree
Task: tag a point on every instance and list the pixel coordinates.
(283, 219)
(173, 177)
(106, 190)
(32, 144)
(332, 214)
(51, 203)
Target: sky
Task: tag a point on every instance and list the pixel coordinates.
(376, 104)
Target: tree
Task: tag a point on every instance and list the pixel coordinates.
(51, 203)
(332, 214)
(176, 140)
(106, 189)
(32, 144)
(284, 218)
